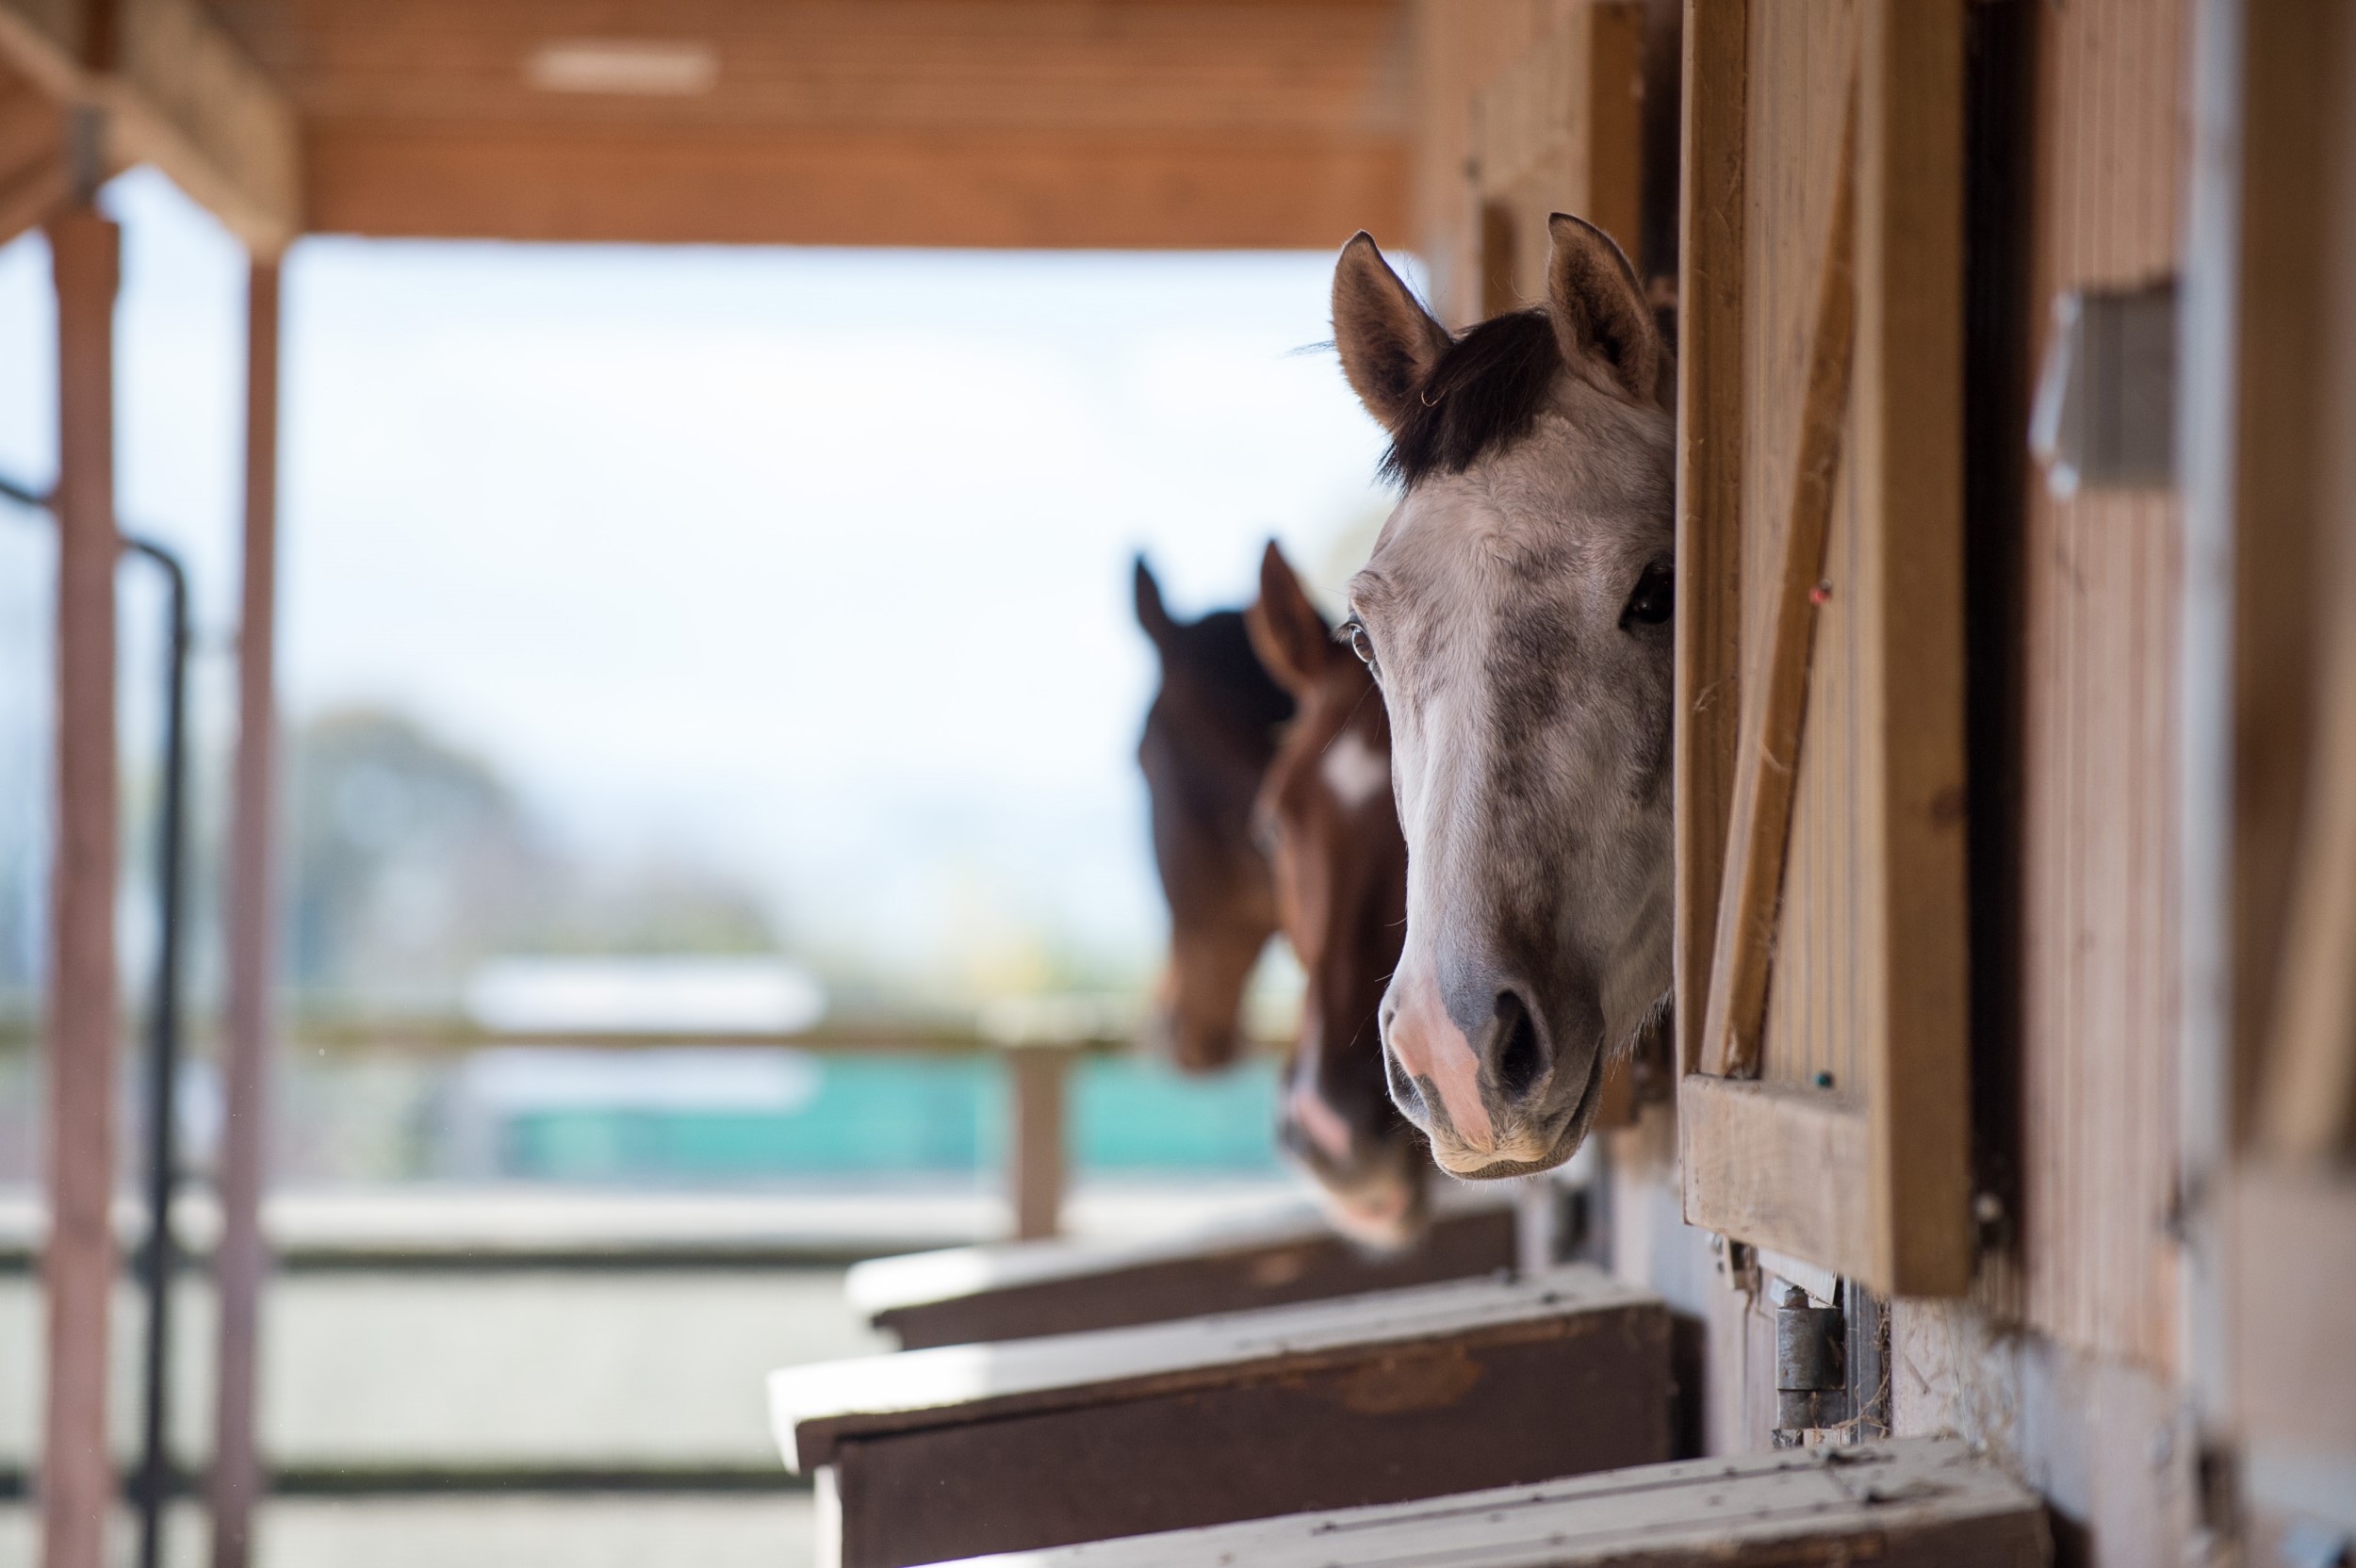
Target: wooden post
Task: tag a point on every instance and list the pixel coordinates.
(242, 1260)
(1035, 1169)
(78, 1481)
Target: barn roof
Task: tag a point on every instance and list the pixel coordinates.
(1117, 124)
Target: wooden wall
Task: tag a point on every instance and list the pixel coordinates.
(2098, 951)
(1497, 115)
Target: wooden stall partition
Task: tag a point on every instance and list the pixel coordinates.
(968, 1448)
(1823, 1103)
(2270, 389)
(1521, 110)
(1558, 129)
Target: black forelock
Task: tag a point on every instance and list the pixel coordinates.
(1485, 393)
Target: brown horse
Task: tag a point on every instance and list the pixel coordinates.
(1209, 738)
(1327, 820)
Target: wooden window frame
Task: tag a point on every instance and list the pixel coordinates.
(1876, 1186)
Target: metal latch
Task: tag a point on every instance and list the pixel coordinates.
(2105, 414)
(1811, 1366)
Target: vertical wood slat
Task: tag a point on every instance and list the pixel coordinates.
(2100, 890)
(1909, 382)
(1709, 485)
(242, 1258)
(2299, 393)
(78, 1481)
(1767, 747)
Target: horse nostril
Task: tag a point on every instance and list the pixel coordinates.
(1404, 1091)
(1521, 1059)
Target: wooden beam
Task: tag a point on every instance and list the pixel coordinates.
(1910, 478)
(242, 1258)
(1935, 1502)
(969, 1294)
(183, 97)
(1709, 487)
(176, 91)
(35, 177)
(77, 1479)
(1779, 1166)
(733, 185)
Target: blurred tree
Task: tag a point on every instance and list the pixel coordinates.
(414, 862)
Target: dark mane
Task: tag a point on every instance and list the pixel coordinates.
(1218, 648)
(1485, 393)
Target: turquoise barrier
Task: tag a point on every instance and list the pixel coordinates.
(912, 1115)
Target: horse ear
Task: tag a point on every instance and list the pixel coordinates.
(1388, 341)
(1150, 613)
(1288, 634)
(1599, 311)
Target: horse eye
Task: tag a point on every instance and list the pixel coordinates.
(1362, 644)
(1656, 596)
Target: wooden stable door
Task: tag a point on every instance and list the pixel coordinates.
(1824, 1096)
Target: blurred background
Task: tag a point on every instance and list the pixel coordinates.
(709, 692)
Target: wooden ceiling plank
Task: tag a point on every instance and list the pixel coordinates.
(993, 190)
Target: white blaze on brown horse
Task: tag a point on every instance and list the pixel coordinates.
(1326, 818)
(1516, 613)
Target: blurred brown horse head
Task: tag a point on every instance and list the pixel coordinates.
(1326, 818)
(1208, 740)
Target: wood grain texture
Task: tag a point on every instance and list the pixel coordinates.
(1774, 705)
(1306, 1263)
(1709, 489)
(814, 1407)
(2099, 947)
(1560, 129)
(77, 1489)
(732, 185)
(1460, 48)
(1909, 457)
(1911, 1502)
(1416, 1422)
(1780, 1166)
(1024, 122)
(1845, 936)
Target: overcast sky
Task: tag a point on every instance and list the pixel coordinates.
(810, 563)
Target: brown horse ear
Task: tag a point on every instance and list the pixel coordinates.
(1388, 341)
(1150, 613)
(1600, 312)
(1288, 634)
